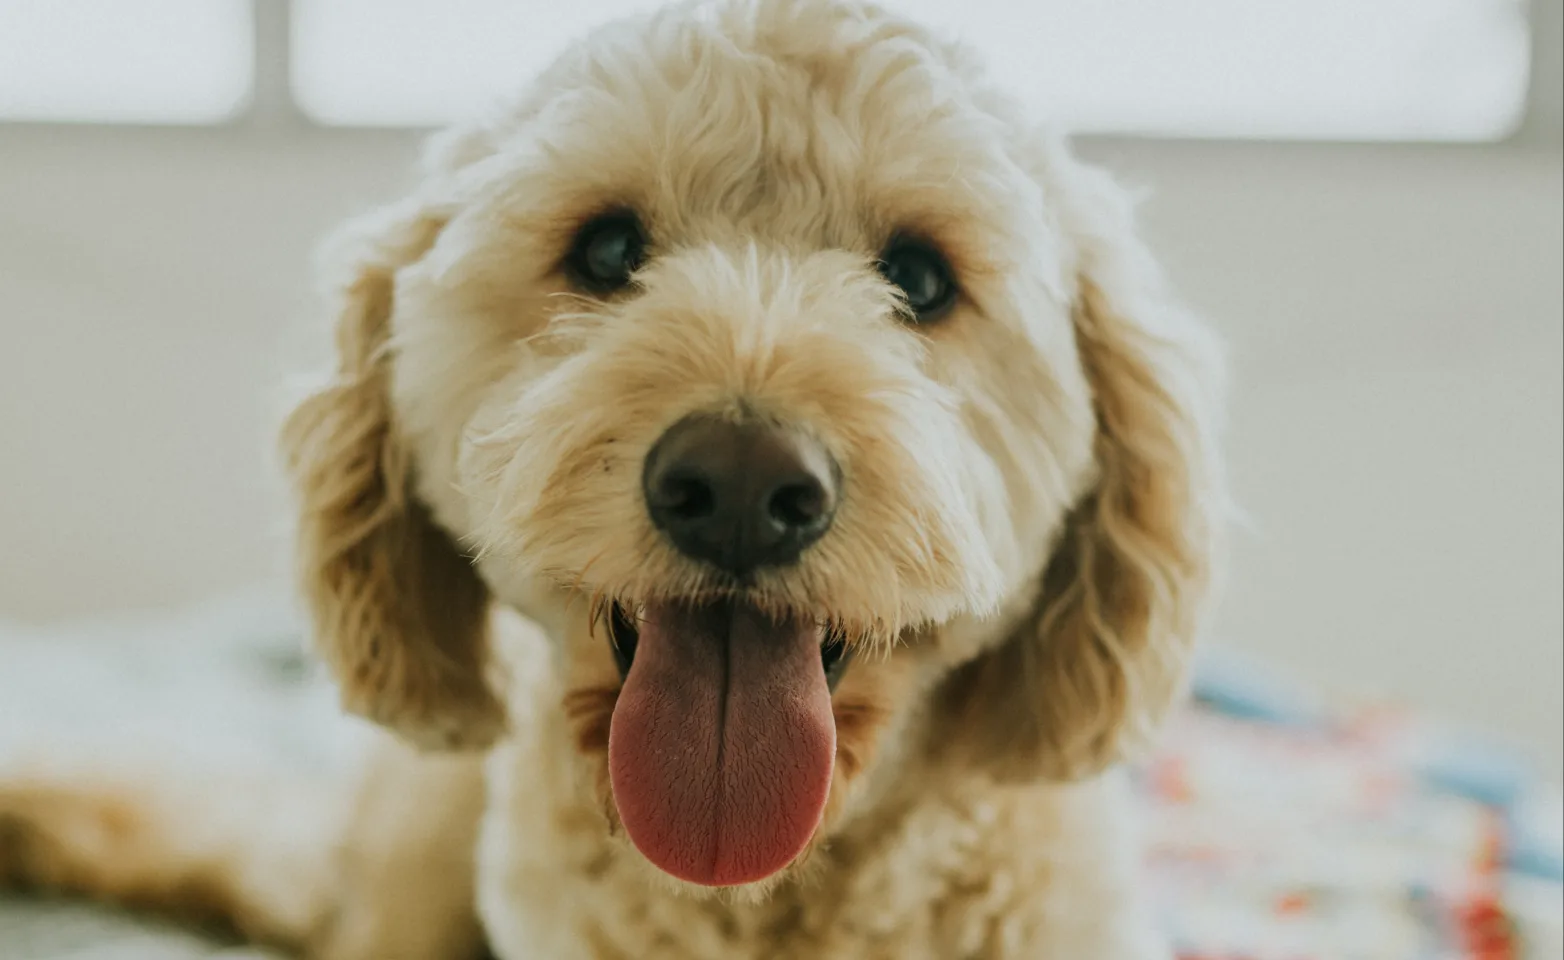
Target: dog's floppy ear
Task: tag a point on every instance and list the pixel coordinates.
(400, 616)
(1103, 653)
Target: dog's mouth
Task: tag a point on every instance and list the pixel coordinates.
(624, 635)
(722, 740)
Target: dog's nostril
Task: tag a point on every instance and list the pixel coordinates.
(797, 505)
(687, 496)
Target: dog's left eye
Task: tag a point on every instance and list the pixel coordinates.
(607, 252)
(923, 276)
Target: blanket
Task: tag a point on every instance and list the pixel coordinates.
(1277, 826)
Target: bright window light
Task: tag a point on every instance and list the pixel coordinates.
(125, 61)
(1264, 69)
(1427, 70)
(426, 62)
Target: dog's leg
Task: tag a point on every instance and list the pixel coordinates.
(383, 872)
(406, 869)
(251, 857)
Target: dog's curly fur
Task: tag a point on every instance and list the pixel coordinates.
(1022, 557)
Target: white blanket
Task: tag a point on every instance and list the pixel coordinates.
(222, 686)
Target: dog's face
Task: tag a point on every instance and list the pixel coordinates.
(825, 415)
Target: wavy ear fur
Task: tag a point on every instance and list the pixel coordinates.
(1103, 655)
(400, 616)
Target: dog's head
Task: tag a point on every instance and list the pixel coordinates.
(830, 417)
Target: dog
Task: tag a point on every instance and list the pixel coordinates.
(766, 492)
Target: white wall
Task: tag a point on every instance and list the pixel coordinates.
(1397, 431)
(1395, 315)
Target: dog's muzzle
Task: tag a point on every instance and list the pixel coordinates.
(723, 737)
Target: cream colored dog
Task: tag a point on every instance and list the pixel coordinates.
(854, 473)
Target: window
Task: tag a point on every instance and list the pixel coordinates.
(125, 61)
(425, 62)
(1268, 69)
(1272, 69)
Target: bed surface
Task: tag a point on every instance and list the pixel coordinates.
(1279, 827)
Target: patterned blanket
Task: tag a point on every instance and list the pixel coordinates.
(1282, 830)
(1278, 828)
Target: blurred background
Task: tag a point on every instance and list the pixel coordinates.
(1363, 195)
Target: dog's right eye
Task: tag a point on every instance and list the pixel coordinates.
(923, 276)
(607, 252)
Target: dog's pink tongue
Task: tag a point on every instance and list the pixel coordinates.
(722, 742)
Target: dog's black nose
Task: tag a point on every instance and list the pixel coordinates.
(739, 496)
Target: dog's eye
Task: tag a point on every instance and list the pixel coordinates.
(607, 252)
(923, 276)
